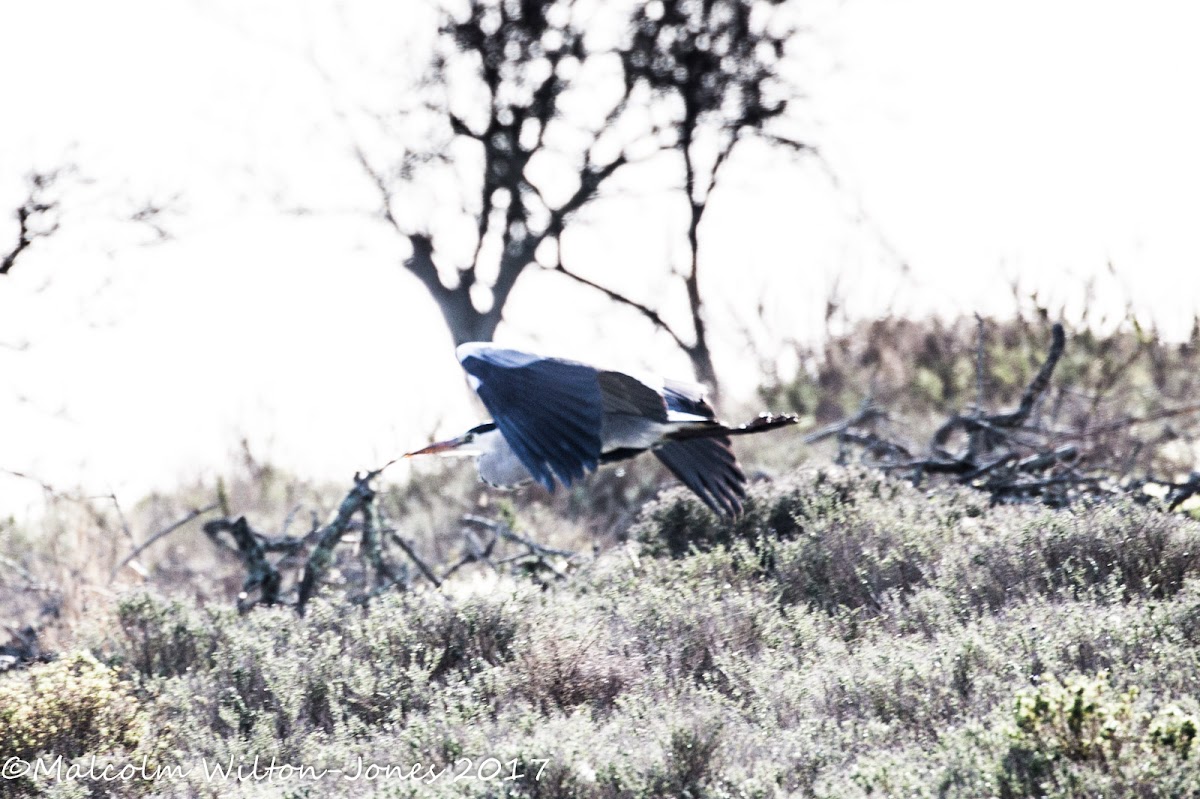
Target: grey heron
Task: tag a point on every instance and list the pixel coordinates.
(555, 420)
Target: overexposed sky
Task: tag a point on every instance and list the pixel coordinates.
(1049, 143)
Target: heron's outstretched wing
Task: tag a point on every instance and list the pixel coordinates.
(549, 410)
(628, 396)
(709, 468)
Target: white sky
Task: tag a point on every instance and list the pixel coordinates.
(988, 141)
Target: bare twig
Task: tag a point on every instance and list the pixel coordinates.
(1058, 343)
(414, 557)
(46, 487)
(121, 517)
(479, 551)
(998, 463)
(314, 550)
(540, 553)
(458, 564)
(504, 531)
(1042, 460)
(866, 413)
(372, 548)
(979, 422)
(287, 520)
(874, 445)
(163, 533)
(1165, 413)
(1003, 450)
(381, 185)
(649, 313)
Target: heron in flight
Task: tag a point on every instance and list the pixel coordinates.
(555, 420)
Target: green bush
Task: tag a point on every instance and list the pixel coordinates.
(1081, 718)
(55, 714)
(70, 707)
(1081, 731)
(850, 539)
(1174, 729)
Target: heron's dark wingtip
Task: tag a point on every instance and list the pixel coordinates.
(708, 467)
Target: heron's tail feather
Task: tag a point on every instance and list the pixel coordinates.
(765, 422)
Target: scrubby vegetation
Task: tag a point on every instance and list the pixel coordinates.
(851, 635)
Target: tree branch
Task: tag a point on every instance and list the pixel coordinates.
(261, 574)
(385, 193)
(621, 299)
(589, 182)
(421, 264)
(414, 557)
(35, 205)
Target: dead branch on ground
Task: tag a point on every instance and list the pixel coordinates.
(289, 570)
(1018, 455)
(1013, 456)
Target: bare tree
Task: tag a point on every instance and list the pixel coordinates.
(530, 87)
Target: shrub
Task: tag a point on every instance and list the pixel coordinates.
(1081, 718)
(852, 636)
(691, 761)
(562, 664)
(1080, 731)
(55, 713)
(163, 638)
(1174, 729)
(70, 707)
(842, 539)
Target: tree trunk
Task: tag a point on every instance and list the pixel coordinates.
(464, 321)
(699, 353)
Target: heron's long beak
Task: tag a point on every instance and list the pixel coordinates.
(439, 447)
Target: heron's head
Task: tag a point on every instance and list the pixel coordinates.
(466, 444)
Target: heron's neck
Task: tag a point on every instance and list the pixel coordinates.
(489, 442)
(498, 464)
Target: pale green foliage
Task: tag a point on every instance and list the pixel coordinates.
(72, 707)
(1078, 730)
(1175, 729)
(1081, 718)
(69, 707)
